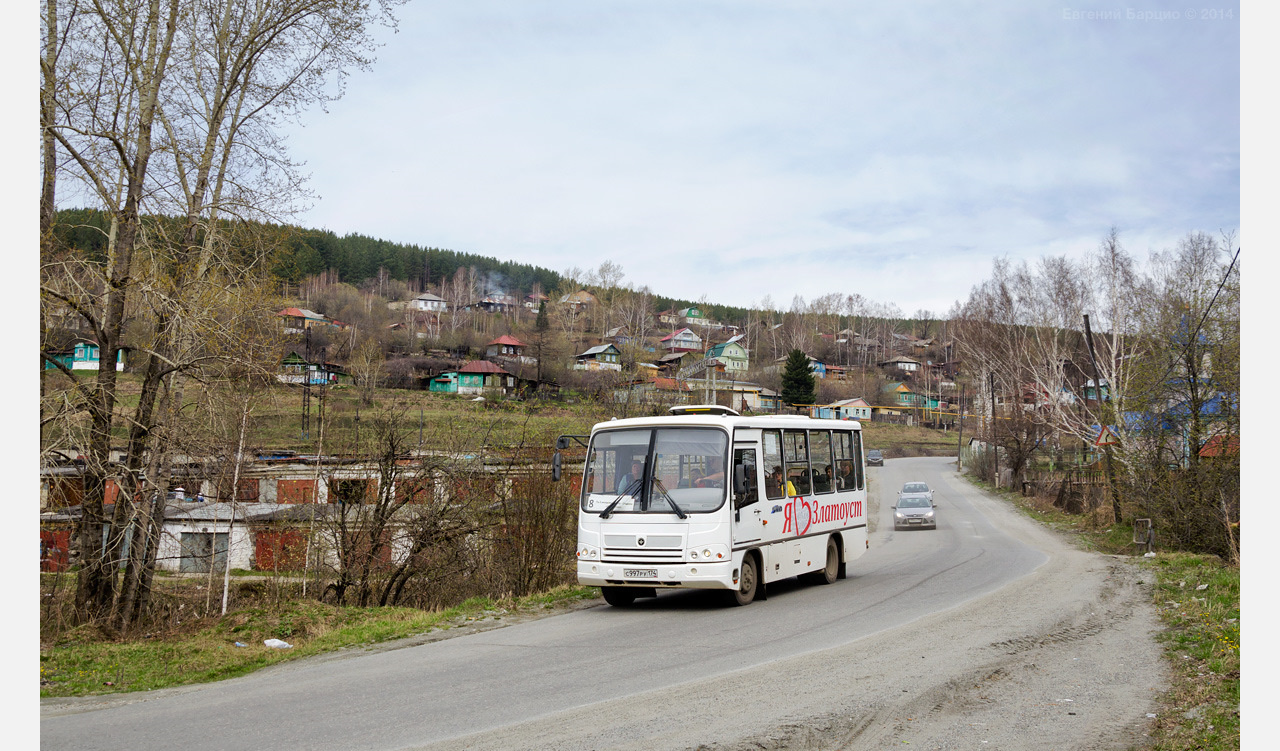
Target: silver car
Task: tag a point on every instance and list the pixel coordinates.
(915, 507)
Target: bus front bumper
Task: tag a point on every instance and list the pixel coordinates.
(674, 575)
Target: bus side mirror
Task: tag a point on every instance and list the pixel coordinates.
(739, 480)
(555, 467)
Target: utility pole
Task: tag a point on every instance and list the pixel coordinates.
(1097, 384)
(306, 386)
(995, 450)
(960, 439)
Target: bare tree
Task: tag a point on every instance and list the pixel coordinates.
(168, 108)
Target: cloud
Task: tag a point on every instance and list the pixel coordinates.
(742, 149)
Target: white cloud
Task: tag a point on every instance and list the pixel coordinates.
(742, 149)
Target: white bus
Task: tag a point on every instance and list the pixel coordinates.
(707, 498)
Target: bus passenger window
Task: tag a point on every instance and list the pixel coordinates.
(843, 444)
(773, 489)
(824, 479)
(746, 459)
(796, 451)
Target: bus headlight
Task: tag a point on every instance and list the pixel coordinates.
(709, 553)
(588, 553)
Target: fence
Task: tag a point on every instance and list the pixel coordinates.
(1075, 490)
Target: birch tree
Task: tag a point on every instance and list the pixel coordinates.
(164, 115)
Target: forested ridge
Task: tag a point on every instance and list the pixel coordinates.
(302, 252)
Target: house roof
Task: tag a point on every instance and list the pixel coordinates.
(508, 340)
(718, 350)
(581, 296)
(482, 366)
(301, 313)
(899, 358)
(857, 402)
(427, 296)
(599, 349)
(897, 386)
(677, 333)
(1221, 445)
(669, 384)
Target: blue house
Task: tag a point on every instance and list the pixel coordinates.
(82, 355)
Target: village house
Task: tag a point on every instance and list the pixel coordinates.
(579, 299)
(683, 340)
(427, 302)
(816, 366)
(295, 368)
(279, 498)
(495, 303)
(901, 362)
(298, 320)
(675, 361)
(900, 395)
(655, 390)
(505, 346)
(82, 354)
(480, 375)
(600, 357)
(746, 397)
(845, 409)
(732, 354)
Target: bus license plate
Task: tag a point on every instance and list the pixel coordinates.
(640, 573)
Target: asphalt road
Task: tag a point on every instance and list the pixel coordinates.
(595, 678)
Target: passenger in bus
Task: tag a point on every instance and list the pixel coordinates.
(715, 475)
(847, 480)
(775, 479)
(822, 480)
(800, 478)
(695, 476)
(773, 483)
(637, 470)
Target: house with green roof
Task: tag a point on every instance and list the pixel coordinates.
(731, 354)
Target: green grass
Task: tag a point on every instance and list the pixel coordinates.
(903, 440)
(1199, 601)
(1201, 709)
(83, 664)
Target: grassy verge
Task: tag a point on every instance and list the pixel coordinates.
(903, 440)
(83, 664)
(1198, 598)
(1199, 601)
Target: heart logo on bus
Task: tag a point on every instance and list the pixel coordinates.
(802, 505)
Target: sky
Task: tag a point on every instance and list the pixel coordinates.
(733, 150)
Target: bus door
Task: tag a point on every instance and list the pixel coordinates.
(748, 512)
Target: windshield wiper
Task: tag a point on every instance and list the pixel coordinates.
(631, 488)
(679, 511)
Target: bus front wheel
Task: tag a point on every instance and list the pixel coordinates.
(619, 597)
(748, 581)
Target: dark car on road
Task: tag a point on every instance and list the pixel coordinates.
(875, 458)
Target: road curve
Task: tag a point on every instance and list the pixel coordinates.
(922, 612)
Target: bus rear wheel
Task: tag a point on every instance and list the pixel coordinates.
(831, 571)
(748, 582)
(619, 597)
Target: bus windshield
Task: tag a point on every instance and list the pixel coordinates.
(656, 470)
